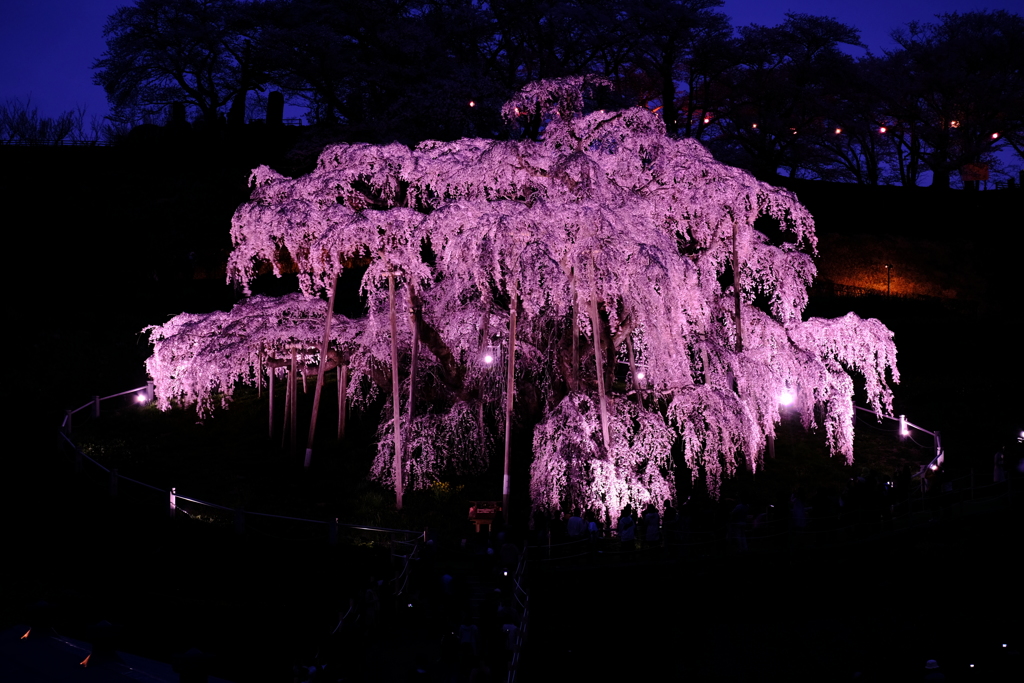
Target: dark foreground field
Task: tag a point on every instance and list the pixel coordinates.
(115, 244)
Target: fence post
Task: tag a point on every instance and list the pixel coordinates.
(67, 423)
(332, 531)
(172, 502)
(113, 483)
(95, 406)
(150, 391)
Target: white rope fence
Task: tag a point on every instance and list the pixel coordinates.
(144, 395)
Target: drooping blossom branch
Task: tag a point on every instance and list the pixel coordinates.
(600, 230)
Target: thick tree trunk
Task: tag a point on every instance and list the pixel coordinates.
(320, 372)
(668, 95)
(397, 412)
(452, 371)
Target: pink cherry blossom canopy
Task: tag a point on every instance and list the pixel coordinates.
(603, 209)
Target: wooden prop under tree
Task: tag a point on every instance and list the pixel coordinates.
(320, 372)
(510, 390)
(397, 412)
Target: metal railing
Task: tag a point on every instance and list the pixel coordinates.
(404, 543)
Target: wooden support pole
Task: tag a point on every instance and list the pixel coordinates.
(414, 360)
(575, 332)
(320, 373)
(397, 412)
(270, 397)
(595, 324)
(632, 371)
(172, 502)
(287, 407)
(294, 426)
(510, 390)
(342, 398)
(736, 285)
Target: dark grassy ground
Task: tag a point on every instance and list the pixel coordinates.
(107, 247)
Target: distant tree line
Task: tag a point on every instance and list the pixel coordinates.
(765, 98)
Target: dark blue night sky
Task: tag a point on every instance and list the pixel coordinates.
(48, 46)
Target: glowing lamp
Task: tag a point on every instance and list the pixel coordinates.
(140, 398)
(933, 467)
(995, 136)
(787, 398)
(754, 126)
(472, 103)
(882, 129)
(954, 124)
(838, 131)
(707, 119)
(488, 359)
(640, 375)
(904, 430)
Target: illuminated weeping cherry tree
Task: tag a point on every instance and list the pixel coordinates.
(592, 261)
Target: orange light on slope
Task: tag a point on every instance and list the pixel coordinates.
(26, 634)
(85, 662)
